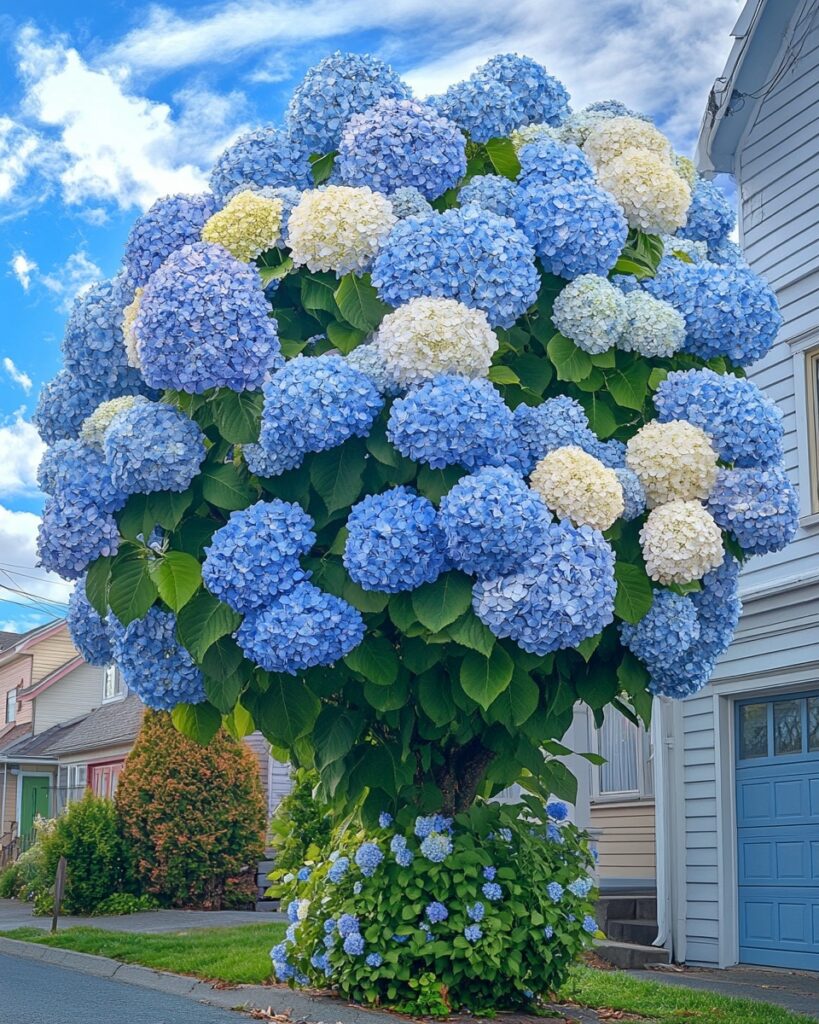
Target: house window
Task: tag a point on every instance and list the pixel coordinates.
(812, 382)
(104, 778)
(628, 772)
(11, 705)
(113, 687)
(72, 782)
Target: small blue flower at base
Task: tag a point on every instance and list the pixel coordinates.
(329, 926)
(555, 891)
(557, 810)
(473, 932)
(153, 447)
(255, 555)
(576, 228)
(475, 911)
(548, 932)
(589, 925)
(489, 873)
(394, 542)
(353, 944)
(436, 847)
(580, 887)
(368, 857)
(347, 925)
(436, 912)
(403, 858)
(384, 819)
(303, 874)
(468, 254)
(490, 519)
(153, 663)
(374, 960)
(492, 891)
(338, 869)
(300, 629)
(88, 630)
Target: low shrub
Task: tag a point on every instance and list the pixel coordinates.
(432, 915)
(9, 880)
(301, 826)
(125, 903)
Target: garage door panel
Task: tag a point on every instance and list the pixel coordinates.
(777, 784)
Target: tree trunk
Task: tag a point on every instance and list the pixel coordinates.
(461, 775)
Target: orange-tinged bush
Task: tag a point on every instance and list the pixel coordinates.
(193, 817)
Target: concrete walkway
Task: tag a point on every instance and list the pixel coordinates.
(797, 991)
(14, 914)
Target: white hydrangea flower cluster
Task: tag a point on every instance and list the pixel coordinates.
(592, 312)
(94, 427)
(339, 228)
(612, 137)
(521, 137)
(674, 461)
(577, 486)
(427, 336)
(681, 542)
(675, 244)
(652, 194)
(653, 327)
(249, 225)
(129, 315)
(686, 170)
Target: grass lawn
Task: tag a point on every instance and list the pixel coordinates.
(241, 954)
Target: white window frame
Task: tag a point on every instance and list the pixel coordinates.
(805, 361)
(111, 674)
(11, 706)
(645, 755)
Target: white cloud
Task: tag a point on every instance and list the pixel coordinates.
(19, 150)
(22, 450)
(18, 376)
(19, 574)
(22, 268)
(75, 276)
(111, 144)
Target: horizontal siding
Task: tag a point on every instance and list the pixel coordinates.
(75, 694)
(627, 841)
(260, 749)
(16, 674)
(49, 654)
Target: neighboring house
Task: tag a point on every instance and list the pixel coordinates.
(733, 848)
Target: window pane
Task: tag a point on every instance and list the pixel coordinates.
(619, 745)
(813, 724)
(753, 730)
(788, 727)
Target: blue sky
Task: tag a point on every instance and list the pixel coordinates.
(106, 106)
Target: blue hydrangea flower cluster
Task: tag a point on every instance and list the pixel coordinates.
(80, 474)
(555, 891)
(711, 218)
(338, 869)
(153, 663)
(88, 630)
(255, 555)
(557, 810)
(401, 143)
(476, 911)
(394, 542)
(759, 507)
(262, 157)
(338, 87)
(492, 891)
(560, 596)
(203, 323)
(468, 254)
(557, 423)
(670, 627)
(69, 399)
(494, 193)
(436, 912)
(489, 519)
(368, 857)
(406, 202)
(550, 163)
(473, 932)
(576, 228)
(171, 223)
(426, 825)
(634, 496)
(93, 345)
(153, 447)
(311, 405)
(451, 421)
(745, 426)
(299, 629)
(480, 107)
(73, 534)
(436, 847)
(728, 311)
(581, 887)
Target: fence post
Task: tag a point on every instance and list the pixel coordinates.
(59, 888)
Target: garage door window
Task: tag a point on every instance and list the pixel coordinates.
(774, 729)
(813, 724)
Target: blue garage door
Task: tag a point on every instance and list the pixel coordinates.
(778, 831)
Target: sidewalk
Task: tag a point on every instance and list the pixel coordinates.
(14, 914)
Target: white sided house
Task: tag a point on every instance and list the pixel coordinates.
(738, 764)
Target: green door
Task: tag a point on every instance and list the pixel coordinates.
(33, 801)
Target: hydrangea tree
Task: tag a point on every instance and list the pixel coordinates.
(426, 422)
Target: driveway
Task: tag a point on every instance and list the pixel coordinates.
(14, 914)
(37, 993)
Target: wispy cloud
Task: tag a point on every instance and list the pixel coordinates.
(75, 276)
(20, 150)
(22, 450)
(22, 268)
(18, 376)
(21, 580)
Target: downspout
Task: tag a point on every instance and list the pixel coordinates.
(662, 744)
(5, 784)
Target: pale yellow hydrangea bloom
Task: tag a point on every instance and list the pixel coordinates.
(652, 194)
(686, 170)
(614, 136)
(673, 461)
(681, 543)
(521, 137)
(339, 228)
(129, 315)
(248, 225)
(576, 485)
(94, 426)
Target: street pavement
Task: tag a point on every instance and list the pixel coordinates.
(38, 993)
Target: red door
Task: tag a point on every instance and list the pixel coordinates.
(103, 778)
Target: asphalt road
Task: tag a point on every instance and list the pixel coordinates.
(38, 993)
